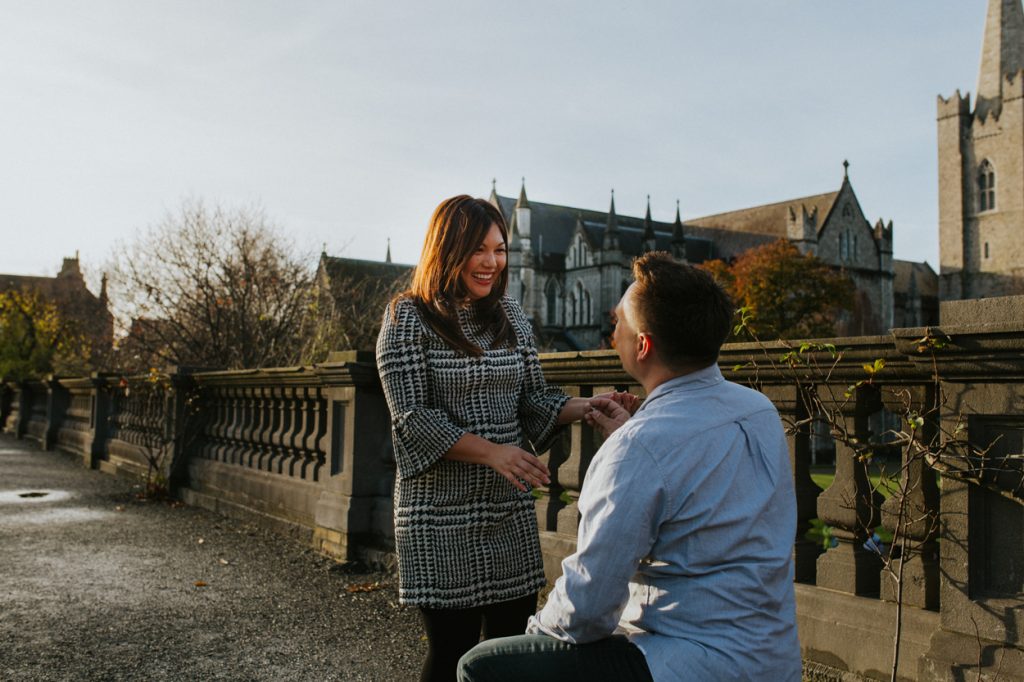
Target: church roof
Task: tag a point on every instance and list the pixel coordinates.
(924, 278)
(355, 267)
(769, 219)
(552, 227)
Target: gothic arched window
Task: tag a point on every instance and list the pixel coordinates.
(551, 299)
(986, 186)
(579, 297)
(573, 307)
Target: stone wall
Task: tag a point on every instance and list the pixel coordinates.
(307, 451)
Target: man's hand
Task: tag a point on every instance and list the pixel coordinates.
(629, 401)
(607, 414)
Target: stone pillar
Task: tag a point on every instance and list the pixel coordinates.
(99, 419)
(851, 508)
(911, 515)
(354, 512)
(792, 403)
(182, 417)
(57, 398)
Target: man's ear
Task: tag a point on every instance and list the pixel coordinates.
(644, 347)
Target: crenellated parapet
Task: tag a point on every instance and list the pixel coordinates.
(955, 106)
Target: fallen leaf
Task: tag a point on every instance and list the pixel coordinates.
(201, 541)
(224, 562)
(118, 508)
(364, 587)
(199, 583)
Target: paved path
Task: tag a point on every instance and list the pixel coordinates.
(98, 585)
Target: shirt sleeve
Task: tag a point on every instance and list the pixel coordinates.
(421, 434)
(621, 505)
(539, 404)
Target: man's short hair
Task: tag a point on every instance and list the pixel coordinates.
(682, 307)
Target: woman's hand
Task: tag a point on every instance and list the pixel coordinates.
(630, 402)
(514, 463)
(518, 465)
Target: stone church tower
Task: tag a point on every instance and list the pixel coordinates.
(981, 168)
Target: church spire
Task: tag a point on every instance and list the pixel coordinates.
(611, 229)
(650, 240)
(523, 202)
(387, 258)
(494, 194)
(648, 225)
(1002, 51)
(678, 235)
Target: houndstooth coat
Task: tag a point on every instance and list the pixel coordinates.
(465, 536)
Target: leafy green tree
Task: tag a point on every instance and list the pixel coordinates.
(36, 340)
(782, 293)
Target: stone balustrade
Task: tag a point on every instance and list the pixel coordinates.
(307, 450)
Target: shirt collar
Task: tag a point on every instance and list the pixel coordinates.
(702, 378)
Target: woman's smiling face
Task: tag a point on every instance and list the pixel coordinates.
(481, 271)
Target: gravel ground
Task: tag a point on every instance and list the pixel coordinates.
(98, 585)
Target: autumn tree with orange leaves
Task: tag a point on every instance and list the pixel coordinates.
(784, 294)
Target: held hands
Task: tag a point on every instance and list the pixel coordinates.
(608, 413)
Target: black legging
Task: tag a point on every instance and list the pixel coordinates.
(453, 632)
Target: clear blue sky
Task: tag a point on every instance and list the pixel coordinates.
(348, 121)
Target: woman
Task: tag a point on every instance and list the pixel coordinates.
(460, 371)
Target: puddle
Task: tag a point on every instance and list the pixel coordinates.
(32, 496)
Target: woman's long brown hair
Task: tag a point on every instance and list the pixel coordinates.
(459, 225)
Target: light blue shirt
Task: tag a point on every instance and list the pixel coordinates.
(686, 538)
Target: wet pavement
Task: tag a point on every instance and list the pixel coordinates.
(96, 584)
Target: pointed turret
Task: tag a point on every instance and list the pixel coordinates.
(522, 202)
(387, 258)
(522, 214)
(650, 239)
(104, 299)
(1002, 51)
(611, 229)
(494, 193)
(678, 237)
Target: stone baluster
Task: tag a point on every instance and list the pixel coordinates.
(851, 508)
(318, 445)
(217, 430)
(284, 417)
(911, 514)
(293, 465)
(263, 420)
(270, 422)
(306, 451)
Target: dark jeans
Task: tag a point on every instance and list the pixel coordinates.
(540, 658)
(453, 632)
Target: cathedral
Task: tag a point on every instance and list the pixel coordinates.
(981, 168)
(569, 265)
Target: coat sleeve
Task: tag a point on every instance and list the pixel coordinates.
(539, 403)
(422, 434)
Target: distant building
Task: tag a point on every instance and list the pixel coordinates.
(569, 266)
(981, 168)
(67, 291)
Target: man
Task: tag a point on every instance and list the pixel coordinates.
(683, 567)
